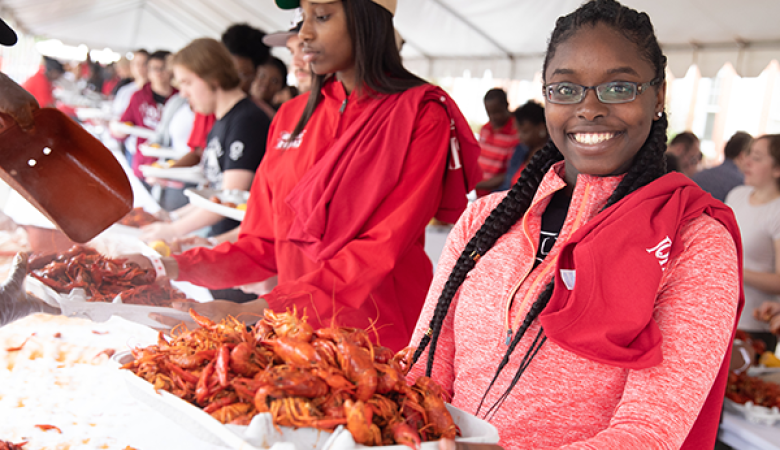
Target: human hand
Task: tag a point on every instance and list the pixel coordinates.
(766, 311)
(161, 213)
(158, 231)
(139, 260)
(17, 103)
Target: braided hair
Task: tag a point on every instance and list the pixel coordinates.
(648, 165)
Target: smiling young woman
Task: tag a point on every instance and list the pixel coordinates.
(601, 296)
(354, 172)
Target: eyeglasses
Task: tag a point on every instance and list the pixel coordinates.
(566, 93)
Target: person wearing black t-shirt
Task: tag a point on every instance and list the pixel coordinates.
(236, 144)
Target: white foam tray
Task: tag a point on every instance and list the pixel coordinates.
(192, 174)
(261, 434)
(160, 152)
(202, 199)
(132, 130)
(754, 413)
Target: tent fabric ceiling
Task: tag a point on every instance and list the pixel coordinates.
(443, 37)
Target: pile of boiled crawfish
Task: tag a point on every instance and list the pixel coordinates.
(101, 278)
(303, 378)
(743, 388)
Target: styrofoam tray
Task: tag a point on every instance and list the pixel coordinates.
(754, 413)
(192, 174)
(132, 130)
(262, 434)
(75, 304)
(202, 199)
(160, 152)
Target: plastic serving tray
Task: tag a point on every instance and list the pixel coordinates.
(160, 152)
(132, 130)
(261, 434)
(192, 175)
(202, 199)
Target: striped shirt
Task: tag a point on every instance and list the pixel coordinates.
(497, 147)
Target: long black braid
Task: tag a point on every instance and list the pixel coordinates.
(648, 165)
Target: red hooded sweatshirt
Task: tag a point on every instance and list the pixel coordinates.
(386, 165)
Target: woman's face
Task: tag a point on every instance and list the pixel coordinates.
(201, 95)
(267, 82)
(327, 46)
(534, 135)
(759, 167)
(598, 138)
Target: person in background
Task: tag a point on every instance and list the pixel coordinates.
(720, 180)
(173, 131)
(248, 52)
(236, 142)
(558, 325)
(41, 85)
(685, 146)
(15, 101)
(532, 132)
(498, 139)
(300, 68)
(271, 78)
(139, 72)
(146, 105)
(757, 207)
(245, 44)
(124, 75)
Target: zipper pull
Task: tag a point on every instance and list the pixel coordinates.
(508, 337)
(343, 106)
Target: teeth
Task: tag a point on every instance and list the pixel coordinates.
(593, 138)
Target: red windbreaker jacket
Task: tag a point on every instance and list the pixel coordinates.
(379, 278)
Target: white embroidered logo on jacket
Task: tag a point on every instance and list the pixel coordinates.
(284, 140)
(662, 251)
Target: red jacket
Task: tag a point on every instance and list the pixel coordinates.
(380, 277)
(41, 88)
(144, 112)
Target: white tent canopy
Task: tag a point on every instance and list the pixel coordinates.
(443, 37)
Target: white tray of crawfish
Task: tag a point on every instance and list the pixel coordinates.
(85, 283)
(281, 383)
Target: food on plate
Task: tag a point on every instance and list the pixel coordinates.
(241, 207)
(743, 388)
(138, 218)
(161, 247)
(229, 204)
(162, 165)
(768, 359)
(302, 377)
(101, 278)
(215, 199)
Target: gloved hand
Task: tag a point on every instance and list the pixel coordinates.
(15, 302)
(17, 103)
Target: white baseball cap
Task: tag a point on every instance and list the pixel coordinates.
(389, 5)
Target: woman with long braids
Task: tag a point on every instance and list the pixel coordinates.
(353, 172)
(593, 305)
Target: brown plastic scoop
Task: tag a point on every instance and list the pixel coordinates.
(66, 173)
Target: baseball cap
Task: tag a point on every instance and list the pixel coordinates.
(279, 39)
(7, 35)
(389, 5)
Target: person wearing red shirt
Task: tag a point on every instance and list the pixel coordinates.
(145, 109)
(498, 139)
(353, 172)
(40, 85)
